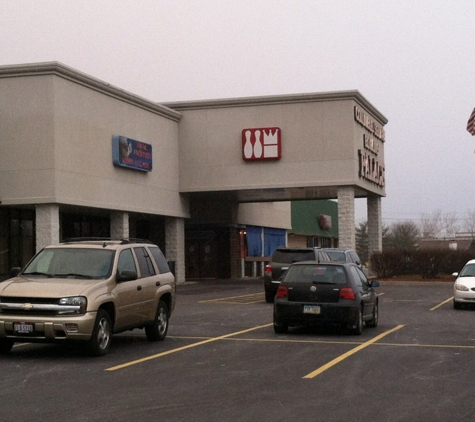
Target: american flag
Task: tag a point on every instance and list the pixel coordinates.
(471, 123)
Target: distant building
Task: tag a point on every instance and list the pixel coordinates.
(460, 242)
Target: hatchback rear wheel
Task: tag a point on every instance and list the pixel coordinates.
(373, 322)
(358, 324)
(280, 327)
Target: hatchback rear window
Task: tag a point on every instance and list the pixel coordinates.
(315, 274)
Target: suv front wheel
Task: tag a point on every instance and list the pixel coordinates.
(100, 340)
(157, 331)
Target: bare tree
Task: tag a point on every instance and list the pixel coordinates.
(438, 224)
(468, 223)
(450, 224)
(431, 224)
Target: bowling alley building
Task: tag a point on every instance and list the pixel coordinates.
(211, 182)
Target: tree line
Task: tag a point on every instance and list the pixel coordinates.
(406, 235)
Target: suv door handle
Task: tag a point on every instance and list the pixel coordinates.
(139, 288)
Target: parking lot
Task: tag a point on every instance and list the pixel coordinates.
(222, 361)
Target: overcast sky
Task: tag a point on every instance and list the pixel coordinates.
(413, 60)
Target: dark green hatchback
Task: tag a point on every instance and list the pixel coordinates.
(316, 293)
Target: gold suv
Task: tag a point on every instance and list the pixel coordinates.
(86, 290)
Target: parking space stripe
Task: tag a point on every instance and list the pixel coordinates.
(242, 299)
(349, 353)
(189, 346)
(442, 304)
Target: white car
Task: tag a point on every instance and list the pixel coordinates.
(464, 286)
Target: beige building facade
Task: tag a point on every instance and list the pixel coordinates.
(214, 167)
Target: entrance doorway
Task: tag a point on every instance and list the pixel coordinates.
(207, 254)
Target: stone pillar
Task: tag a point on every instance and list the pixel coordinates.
(346, 217)
(120, 225)
(175, 245)
(47, 225)
(375, 225)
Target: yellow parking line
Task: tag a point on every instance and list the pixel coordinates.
(189, 346)
(349, 353)
(441, 304)
(223, 299)
(21, 344)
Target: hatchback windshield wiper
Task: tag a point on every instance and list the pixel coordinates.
(38, 273)
(73, 275)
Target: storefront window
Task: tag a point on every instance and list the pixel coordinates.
(17, 242)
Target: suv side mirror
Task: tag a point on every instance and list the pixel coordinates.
(126, 275)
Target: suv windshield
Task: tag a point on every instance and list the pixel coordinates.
(336, 255)
(72, 262)
(288, 257)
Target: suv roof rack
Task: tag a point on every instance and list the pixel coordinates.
(135, 240)
(122, 241)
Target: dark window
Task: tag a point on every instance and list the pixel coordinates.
(316, 274)
(160, 260)
(145, 262)
(290, 256)
(74, 225)
(126, 261)
(354, 257)
(356, 277)
(17, 241)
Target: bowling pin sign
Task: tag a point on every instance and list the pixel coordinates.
(259, 144)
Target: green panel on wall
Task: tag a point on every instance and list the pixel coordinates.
(306, 217)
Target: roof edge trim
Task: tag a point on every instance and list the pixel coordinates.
(66, 72)
(353, 95)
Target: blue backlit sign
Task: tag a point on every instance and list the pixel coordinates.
(131, 154)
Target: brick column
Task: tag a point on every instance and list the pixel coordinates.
(47, 225)
(375, 224)
(346, 217)
(175, 245)
(120, 225)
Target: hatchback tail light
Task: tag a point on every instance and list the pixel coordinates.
(268, 269)
(282, 292)
(347, 293)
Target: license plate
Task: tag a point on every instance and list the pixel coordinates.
(23, 327)
(311, 309)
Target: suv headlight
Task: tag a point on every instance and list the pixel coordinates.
(75, 305)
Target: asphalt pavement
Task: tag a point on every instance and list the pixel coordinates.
(222, 361)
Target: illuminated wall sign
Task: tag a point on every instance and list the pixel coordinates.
(131, 154)
(261, 144)
(371, 168)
